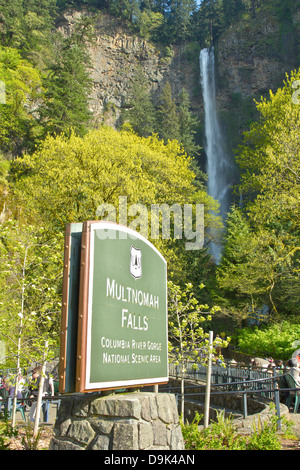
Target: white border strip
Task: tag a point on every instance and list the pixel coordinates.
(114, 384)
(122, 228)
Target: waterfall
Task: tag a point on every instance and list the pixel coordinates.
(219, 168)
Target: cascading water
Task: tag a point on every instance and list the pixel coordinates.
(219, 167)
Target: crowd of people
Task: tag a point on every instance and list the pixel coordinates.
(27, 390)
(292, 366)
(267, 364)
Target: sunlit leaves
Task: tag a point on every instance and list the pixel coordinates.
(67, 179)
(23, 89)
(188, 338)
(261, 257)
(30, 293)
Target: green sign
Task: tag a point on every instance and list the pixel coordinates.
(123, 310)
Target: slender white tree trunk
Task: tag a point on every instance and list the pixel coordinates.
(40, 394)
(21, 315)
(208, 381)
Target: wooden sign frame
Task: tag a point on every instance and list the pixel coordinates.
(86, 314)
(70, 299)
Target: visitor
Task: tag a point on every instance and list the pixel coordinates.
(294, 371)
(4, 389)
(48, 390)
(20, 388)
(280, 366)
(258, 362)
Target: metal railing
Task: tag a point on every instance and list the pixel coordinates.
(244, 381)
(220, 374)
(230, 380)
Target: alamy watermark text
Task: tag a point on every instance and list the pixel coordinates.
(188, 220)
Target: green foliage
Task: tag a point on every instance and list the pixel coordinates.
(261, 254)
(148, 22)
(70, 176)
(187, 336)
(30, 294)
(274, 340)
(26, 26)
(141, 112)
(188, 125)
(68, 84)
(271, 155)
(100, 167)
(223, 434)
(23, 90)
(168, 120)
(125, 9)
(265, 434)
(246, 273)
(29, 440)
(6, 431)
(264, 437)
(46, 75)
(178, 20)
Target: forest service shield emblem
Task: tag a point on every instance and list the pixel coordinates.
(135, 262)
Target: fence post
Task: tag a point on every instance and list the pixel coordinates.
(277, 401)
(245, 409)
(208, 380)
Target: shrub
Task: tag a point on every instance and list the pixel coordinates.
(6, 431)
(223, 434)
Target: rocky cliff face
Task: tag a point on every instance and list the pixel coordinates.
(255, 55)
(251, 58)
(117, 54)
(116, 59)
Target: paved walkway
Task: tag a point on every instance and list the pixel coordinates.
(296, 418)
(52, 414)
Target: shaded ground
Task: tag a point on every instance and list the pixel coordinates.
(296, 419)
(22, 442)
(293, 444)
(19, 443)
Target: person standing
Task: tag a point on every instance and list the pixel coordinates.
(48, 390)
(294, 369)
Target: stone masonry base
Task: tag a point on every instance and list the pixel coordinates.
(129, 421)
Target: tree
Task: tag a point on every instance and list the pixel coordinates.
(270, 156)
(168, 121)
(141, 112)
(68, 84)
(208, 22)
(233, 10)
(26, 26)
(188, 340)
(23, 90)
(126, 9)
(187, 125)
(270, 161)
(179, 19)
(69, 177)
(84, 172)
(148, 22)
(30, 298)
(246, 273)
